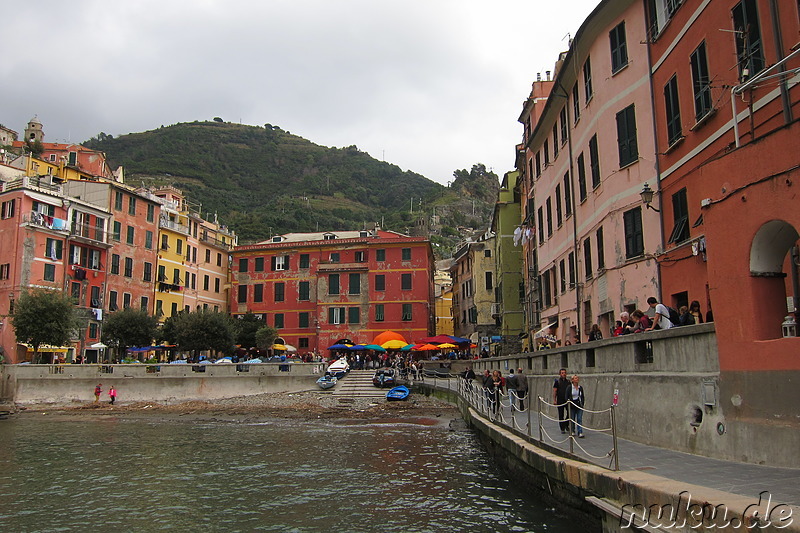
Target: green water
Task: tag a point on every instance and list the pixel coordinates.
(134, 474)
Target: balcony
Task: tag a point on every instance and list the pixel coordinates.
(42, 183)
(34, 218)
(89, 234)
(213, 241)
(327, 266)
(174, 226)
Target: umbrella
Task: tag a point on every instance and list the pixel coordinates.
(458, 340)
(290, 348)
(358, 347)
(438, 339)
(408, 347)
(388, 336)
(339, 347)
(375, 347)
(426, 348)
(281, 347)
(223, 360)
(394, 344)
(447, 345)
(543, 332)
(98, 346)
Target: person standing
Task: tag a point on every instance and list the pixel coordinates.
(560, 387)
(595, 334)
(487, 389)
(112, 394)
(694, 310)
(98, 390)
(497, 390)
(511, 387)
(661, 318)
(522, 388)
(469, 376)
(576, 401)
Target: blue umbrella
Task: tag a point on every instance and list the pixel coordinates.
(339, 347)
(459, 340)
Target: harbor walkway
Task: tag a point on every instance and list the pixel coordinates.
(749, 480)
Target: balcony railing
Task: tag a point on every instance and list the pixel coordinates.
(174, 226)
(35, 182)
(86, 231)
(44, 221)
(216, 242)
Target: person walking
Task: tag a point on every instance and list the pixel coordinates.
(112, 394)
(522, 388)
(511, 387)
(560, 386)
(576, 401)
(98, 390)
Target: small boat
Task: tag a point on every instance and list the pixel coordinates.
(327, 381)
(339, 368)
(398, 393)
(383, 378)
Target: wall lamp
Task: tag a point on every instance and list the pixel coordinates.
(647, 197)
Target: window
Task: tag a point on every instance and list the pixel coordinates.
(680, 217)
(49, 272)
(94, 259)
(280, 262)
(547, 294)
(549, 210)
(587, 80)
(259, 265)
(564, 125)
(93, 330)
(538, 164)
(581, 177)
(280, 290)
(379, 313)
(243, 265)
(54, 249)
(748, 39)
(151, 212)
(131, 205)
(258, 293)
(361, 256)
(302, 320)
(571, 266)
(559, 214)
(353, 315)
(8, 209)
(354, 284)
(540, 214)
(44, 209)
(380, 255)
(148, 272)
(380, 282)
(489, 278)
(206, 282)
(162, 273)
(336, 315)
(407, 316)
(546, 150)
(148, 239)
(594, 160)
(118, 196)
(406, 254)
(165, 242)
(179, 246)
(216, 284)
(333, 283)
(626, 136)
(279, 320)
(304, 260)
(334, 257)
(159, 308)
(601, 255)
(673, 110)
(587, 257)
(487, 253)
(129, 235)
(701, 83)
(304, 291)
(619, 48)
(112, 301)
(405, 282)
(567, 196)
(576, 104)
(219, 259)
(128, 267)
(242, 294)
(555, 141)
(176, 276)
(562, 270)
(126, 300)
(144, 301)
(634, 240)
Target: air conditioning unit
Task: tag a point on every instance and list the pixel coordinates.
(497, 310)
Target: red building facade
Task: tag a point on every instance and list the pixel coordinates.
(317, 288)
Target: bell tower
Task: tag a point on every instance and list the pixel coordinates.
(34, 131)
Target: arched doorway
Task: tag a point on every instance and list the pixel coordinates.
(774, 273)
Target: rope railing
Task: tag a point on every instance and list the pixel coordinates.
(515, 411)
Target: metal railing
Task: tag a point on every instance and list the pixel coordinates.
(515, 412)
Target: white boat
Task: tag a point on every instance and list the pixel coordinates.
(339, 368)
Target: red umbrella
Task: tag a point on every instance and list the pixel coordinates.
(438, 339)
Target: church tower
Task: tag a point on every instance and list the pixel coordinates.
(34, 131)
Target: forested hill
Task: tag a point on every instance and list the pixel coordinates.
(264, 181)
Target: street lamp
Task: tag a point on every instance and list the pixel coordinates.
(647, 197)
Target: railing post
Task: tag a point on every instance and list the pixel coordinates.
(614, 437)
(539, 410)
(569, 425)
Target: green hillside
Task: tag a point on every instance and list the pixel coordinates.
(263, 180)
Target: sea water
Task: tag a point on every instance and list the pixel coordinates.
(108, 473)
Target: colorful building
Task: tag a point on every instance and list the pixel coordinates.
(443, 298)
(318, 288)
(474, 280)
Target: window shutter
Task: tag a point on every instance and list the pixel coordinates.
(272, 263)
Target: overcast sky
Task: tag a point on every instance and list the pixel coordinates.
(432, 86)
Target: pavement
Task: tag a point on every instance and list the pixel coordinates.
(744, 479)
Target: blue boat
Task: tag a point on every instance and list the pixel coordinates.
(398, 393)
(327, 381)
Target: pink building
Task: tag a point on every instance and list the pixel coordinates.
(584, 160)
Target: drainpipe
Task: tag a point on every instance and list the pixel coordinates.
(657, 166)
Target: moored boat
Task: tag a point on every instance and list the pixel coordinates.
(398, 393)
(327, 381)
(339, 368)
(384, 378)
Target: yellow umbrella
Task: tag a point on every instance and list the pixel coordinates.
(447, 345)
(394, 344)
(280, 347)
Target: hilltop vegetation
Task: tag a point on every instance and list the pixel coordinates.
(263, 181)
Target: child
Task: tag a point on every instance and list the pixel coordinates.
(97, 391)
(112, 393)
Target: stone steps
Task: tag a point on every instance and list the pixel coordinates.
(358, 384)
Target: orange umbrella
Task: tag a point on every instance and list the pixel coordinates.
(386, 336)
(425, 348)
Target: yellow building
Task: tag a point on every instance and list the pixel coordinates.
(443, 298)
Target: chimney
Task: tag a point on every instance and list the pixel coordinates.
(538, 76)
(547, 72)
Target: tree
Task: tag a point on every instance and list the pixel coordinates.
(265, 337)
(246, 328)
(217, 119)
(201, 330)
(129, 327)
(43, 316)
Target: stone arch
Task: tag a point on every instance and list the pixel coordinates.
(770, 245)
